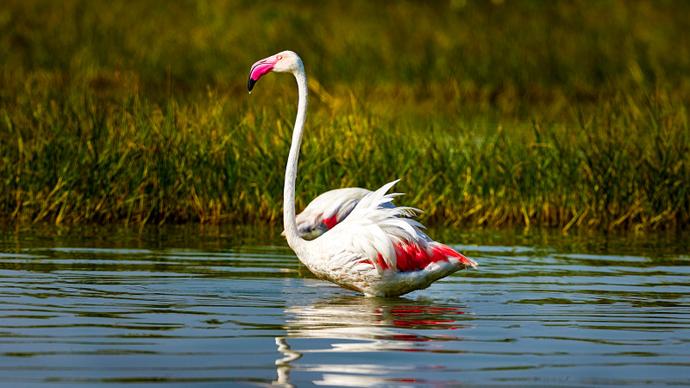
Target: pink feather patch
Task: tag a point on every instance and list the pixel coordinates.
(412, 257)
(330, 222)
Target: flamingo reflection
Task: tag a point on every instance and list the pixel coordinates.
(367, 325)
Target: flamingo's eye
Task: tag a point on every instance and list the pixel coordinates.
(279, 57)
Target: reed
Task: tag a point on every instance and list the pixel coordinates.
(565, 114)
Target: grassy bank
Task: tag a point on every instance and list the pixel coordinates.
(570, 114)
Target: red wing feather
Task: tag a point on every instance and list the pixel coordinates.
(413, 257)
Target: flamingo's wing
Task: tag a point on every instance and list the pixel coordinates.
(386, 238)
(328, 210)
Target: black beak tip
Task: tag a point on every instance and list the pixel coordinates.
(250, 84)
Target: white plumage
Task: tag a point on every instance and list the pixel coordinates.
(377, 248)
(327, 210)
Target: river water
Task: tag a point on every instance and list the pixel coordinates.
(203, 306)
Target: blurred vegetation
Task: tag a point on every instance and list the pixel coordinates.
(568, 113)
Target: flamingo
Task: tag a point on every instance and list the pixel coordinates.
(378, 250)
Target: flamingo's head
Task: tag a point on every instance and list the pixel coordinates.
(283, 62)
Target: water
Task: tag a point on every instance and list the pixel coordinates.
(206, 307)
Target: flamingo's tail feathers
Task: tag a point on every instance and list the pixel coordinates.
(452, 254)
(468, 262)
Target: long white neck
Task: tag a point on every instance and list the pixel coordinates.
(289, 222)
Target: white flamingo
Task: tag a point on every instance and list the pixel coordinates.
(378, 250)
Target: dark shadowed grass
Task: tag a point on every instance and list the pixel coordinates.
(568, 114)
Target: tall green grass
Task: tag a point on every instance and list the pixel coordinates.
(567, 114)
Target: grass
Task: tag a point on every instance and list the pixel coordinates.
(565, 114)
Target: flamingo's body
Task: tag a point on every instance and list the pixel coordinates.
(377, 249)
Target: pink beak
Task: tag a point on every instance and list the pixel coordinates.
(259, 69)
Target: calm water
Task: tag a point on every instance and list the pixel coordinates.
(205, 306)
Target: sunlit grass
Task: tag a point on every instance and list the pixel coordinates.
(568, 114)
